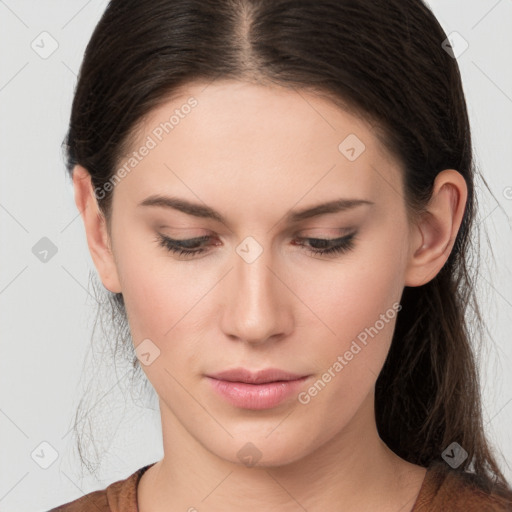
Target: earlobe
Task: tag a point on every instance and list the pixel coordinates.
(435, 233)
(96, 232)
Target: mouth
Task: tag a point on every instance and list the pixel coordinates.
(260, 377)
(256, 390)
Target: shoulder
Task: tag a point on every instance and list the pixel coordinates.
(96, 500)
(120, 496)
(447, 489)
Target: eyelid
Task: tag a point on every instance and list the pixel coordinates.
(338, 246)
(338, 234)
(326, 231)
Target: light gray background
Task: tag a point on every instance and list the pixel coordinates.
(46, 308)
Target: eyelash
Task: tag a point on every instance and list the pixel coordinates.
(344, 245)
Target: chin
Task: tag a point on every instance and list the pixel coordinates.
(260, 452)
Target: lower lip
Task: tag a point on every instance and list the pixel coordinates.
(256, 396)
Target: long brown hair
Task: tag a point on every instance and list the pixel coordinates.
(382, 59)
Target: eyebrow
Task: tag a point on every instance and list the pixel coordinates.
(206, 212)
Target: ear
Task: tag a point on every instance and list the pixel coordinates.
(433, 235)
(98, 238)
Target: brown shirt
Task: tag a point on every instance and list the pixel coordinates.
(443, 490)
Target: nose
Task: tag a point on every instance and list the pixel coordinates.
(258, 301)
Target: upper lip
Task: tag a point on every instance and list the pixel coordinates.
(259, 377)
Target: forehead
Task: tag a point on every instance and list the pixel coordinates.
(255, 114)
(254, 141)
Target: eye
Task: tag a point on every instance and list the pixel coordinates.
(330, 246)
(182, 247)
(319, 246)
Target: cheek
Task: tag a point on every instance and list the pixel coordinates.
(159, 307)
(356, 301)
(146, 276)
(356, 318)
(351, 293)
(157, 299)
(168, 302)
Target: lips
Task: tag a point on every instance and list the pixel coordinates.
(264, 389)
(259, 377)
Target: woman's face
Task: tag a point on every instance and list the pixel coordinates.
(257, 296)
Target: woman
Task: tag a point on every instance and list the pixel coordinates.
(279, 196)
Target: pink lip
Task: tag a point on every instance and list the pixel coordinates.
(260, 390)
(260, 377)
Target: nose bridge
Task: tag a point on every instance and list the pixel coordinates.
(255, 300)
(254, 277)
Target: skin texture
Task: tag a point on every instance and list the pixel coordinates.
(254, 153)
